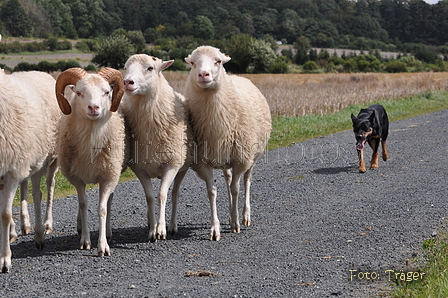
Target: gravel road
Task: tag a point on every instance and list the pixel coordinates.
(314, 218)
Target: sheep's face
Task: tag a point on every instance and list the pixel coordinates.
(142, 72)
(92, 97)
(206, 66)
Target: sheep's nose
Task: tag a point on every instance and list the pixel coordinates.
(204, 74)
(93, 108)
(128, 82)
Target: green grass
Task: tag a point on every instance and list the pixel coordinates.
(434, 284)
(288, 130)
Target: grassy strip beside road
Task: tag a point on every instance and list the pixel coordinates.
(435, 283)
(287, 130)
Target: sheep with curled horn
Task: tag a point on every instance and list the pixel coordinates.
(91, 140)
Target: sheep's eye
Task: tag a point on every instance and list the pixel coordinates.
(106, 93)
(78, 93)
(218, 62)
(192, 63)
(150, 68)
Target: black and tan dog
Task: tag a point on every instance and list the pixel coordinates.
(371, 125)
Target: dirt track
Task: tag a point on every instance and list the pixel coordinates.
(314, 218)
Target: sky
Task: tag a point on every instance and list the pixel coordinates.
(431, 1)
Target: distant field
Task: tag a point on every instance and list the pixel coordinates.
(319, 94)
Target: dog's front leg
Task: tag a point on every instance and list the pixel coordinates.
(374, 161)
(362, 166)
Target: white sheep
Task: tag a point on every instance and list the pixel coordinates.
(90, 143)
(156, 122)
(28, 117)
(231, 123)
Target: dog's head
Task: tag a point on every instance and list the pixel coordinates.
(363, 127)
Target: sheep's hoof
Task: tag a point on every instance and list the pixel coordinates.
(246, 222)
(102, 253)
(5, 268)
(152, 239)
(215, 237)
(26, 230)
(161, 237)
(236, 230)
(85, 246)
(48, 229)
(12, 237)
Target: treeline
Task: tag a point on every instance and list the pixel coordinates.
(385, 24)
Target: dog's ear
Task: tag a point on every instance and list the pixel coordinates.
(354, 118)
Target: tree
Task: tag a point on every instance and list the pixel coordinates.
(113, 52)
(302, 46)
(263, 56)
(238, 49)
(137, 39)
(15, 19)
(203, 28)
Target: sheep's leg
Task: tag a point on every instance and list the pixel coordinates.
(206, 174)
(25, 225)
(246, 209)
(83, 227)
(106, 194)
(235, 189)
(48, 224)
(39, 237)
(228, 178)
(168, 174)
(145, 180)
(108, 225)
(9, 187)
(172, 229)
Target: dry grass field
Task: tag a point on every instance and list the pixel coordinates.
(319, 94)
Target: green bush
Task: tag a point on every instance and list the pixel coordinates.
(395, 67)
(279, 67)
(82, 46)
(46, 66)
(64, 45)
(113, 52)
(178, 65)
(90, 67)
(350, 65)
(310, 66)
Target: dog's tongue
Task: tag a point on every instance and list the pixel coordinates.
(360, 145)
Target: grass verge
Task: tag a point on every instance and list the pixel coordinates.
(435, 281)
(287, 130)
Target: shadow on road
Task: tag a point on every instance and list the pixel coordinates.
(334, 171)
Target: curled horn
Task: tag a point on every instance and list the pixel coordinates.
(69, 77)
(115, 78)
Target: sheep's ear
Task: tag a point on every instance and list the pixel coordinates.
(188, 59)
(166, 64)
(225, 59)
